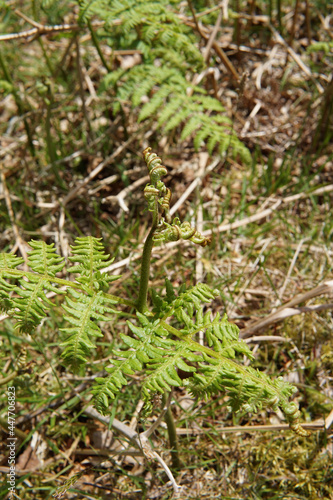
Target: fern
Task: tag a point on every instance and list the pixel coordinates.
(44, 260)
(8, 265)
(161, 342)
(158, 88)
(83, 309)
(89, 253)
(29, 305)
(216, 370)
(85, 302)
(161, 350)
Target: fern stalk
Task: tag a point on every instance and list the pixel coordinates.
(172, 433)
(145, 265)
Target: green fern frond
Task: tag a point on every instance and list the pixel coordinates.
(223, 336)
(162, 371)
(9, 261)
(176, 120)
(111, 79)
(183, 305)
(89, 8)
(158, 87)
(155, 23)
(8, 265)
(6, 290)
(191, 126)
(151, 347)
(142, 89)
(155, 103)
(170, 109)
(192, 299)
(43, 258)
(170, 291)
(200, 137)
(82, 312)
(211, 143)
(250, 391)
(31, 306)
(212, 104)
(89, 253)
(140, 351)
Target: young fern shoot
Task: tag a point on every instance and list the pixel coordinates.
(163, 349)
(153, 344)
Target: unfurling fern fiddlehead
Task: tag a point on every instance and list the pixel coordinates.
(165, 231)
(154, 164)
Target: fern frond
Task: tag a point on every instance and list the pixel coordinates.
(140, 351)
(83, 309)
(9, 261)
(89, 253)
(30, 304)
(158, 87)
(152, 347)
(155, 103)
(250, 391)
(88, 8)
(170, 108)
(192, 299)
(8, 265)
(212, 104)
(193, 124)
(176, 120)
(43, 258)
(162, 371)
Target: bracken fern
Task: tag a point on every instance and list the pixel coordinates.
(162, 341)
(159, 87)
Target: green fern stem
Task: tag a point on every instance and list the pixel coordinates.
(145, 264)
(97, 46)
(172, 433)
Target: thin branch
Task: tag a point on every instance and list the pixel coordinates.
(28, 19)
(289, 309)
(41, 30)
(204, 33)
(140, 441)
(120, 197)
(192, 187)
(320, 425)
(37, 32)
(213, 36)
